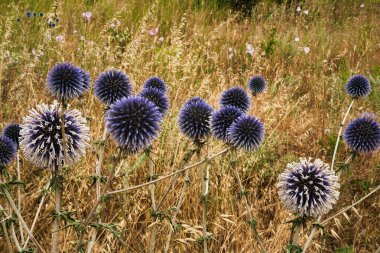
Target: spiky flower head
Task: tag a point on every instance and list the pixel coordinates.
(247, 132)
(358, 86)
(66, 81)
(12, 131)
(237, 97)
(7, 151)
(257, 85)
(223, 119)
(157, 83)
(112, 85)
(194, 119)
(41, 136)
(363, 134)
(308, 188)
(156, 97)
(133, 123)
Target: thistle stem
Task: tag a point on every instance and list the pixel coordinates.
(153, 199)
(57, 189)
(9, 244)
(13, 232)
(19, 200)
(314, 230)
(204, 173)
(247, 206)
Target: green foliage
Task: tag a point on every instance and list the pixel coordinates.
(270, 43)
(348, 249)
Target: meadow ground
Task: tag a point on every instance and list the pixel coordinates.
(200, 49)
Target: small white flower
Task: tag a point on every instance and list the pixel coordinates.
(306, 50)
(34, 52)
(161, 39)
(75, 31)
(250, 49)
(60, 38)
(296, 39)
(87, 15)
(82, 38)
(362, 6)
(324, 61)
(306, 12)
(298, 9)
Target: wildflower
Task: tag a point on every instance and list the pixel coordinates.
(250, 49)
(157, 83)
(41, 14)
(296, 39)
(34, 52)
(87, 15)
(18, 19)
(237, 97)
(358, 86)
(306, 12)
(161, 39)
(66, 81)
(153, 31)
(111, 86)
(362, 6)
(157, 98)
(222, 120)
(28, 14)
(247, 132)
(306, 50)
(133, 123)
(363, 134)
(257, 85)
(230, 53)
(308, 188)
(7, 151)
(60, 38)
(41, 136)
(12, 131)
(194, 119)
(298, 9)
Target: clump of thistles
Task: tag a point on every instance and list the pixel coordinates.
(111, 86)
(194, 119)
(133, 123)
(156, 83)
(66, 81)
(41, 136)
(257, 85)
(237, 97)
(12, 131)
(363, 134)
(308, 189)
(222, 120)
(156, 97)
(7, 151)
(358, 86)
(247, 133)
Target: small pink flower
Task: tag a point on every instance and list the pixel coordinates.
(230, 53)
(87, 15)
(153, 31)
(34, 52)
(60, 38)
(250, 49)
(306, 50)
(75, 31)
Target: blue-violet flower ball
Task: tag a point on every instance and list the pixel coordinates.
(257, 85)
(112, 85)
(7, 151)
(358, 86)
(12, 131)
(237, 97)
(41, 136)
(246, 133)
(28, 14)
(222, 120)
(195, 119)
(308, 188)
(133, 123)
(363, 134)
(156, 97)
(155, 82)
(66, 81)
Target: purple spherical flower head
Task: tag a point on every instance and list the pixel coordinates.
(194, 119)
(237, 97)
(28, 14)
(363, 134)
(358, 86)
(133, 123)
(308, 188)
(156, 97)
(66, 81)
(12, 131)
(247, 133)
(257, 85)
(222, 120)
(7, 151)
(157, 83)
(41, 136)
(112, 85)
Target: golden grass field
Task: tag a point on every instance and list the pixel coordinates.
(301, 109)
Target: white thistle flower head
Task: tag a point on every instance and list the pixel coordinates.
(308, 188)
(41, 136)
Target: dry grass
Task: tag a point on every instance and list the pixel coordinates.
(301, 110)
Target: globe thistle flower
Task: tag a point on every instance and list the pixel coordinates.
(41, 14)
(41, 136)
(86, 79)
(237, 97)
(247, 133)
(111, 86)
(133, 123)
(308, 188)
(358, 86)
(67, 81)
(194, 119)
(12, 131)
(257, 85)
(363, 134)
(7, 151)
(157, 98)
(155, 82)
(28, 14)
(222, 120)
